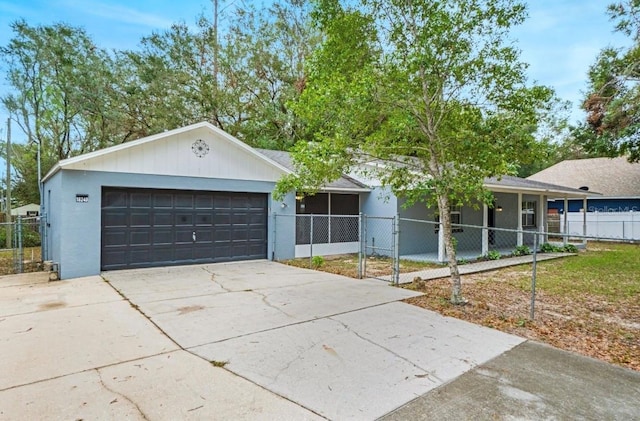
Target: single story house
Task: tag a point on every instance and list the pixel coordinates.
(29, 210)
(615, 182)
(198, 195)
(613, 202)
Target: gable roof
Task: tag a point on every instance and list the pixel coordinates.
(94, 159)
(612, 177)
(343, 183)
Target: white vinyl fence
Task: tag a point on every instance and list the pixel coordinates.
(619, 225)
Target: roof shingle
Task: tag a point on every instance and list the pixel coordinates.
(612, 177)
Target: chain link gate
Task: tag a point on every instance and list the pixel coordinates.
(380, 248)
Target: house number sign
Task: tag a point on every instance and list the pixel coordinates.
(82, 198)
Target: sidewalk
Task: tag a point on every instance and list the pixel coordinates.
(466, 269)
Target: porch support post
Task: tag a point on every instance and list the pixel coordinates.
(565, 222)
(584, 220)
(519, 207)
(542, 214)
(485, 232)
(441, 251)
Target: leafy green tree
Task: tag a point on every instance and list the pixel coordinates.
(612, 104)
(60, 95)
(434, 89)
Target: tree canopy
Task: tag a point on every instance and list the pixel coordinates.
(612, 104)
(434, 89)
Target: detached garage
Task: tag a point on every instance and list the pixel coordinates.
(190, 195)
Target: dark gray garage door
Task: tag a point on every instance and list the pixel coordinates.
(145, 227)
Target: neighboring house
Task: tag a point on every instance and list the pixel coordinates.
(27, 210)
(613, 201)
(615, 182)
(198, 195)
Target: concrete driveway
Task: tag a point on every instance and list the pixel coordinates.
(338, 347)
(259, 340)
(77, 350)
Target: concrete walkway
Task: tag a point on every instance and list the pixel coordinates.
(469, 268)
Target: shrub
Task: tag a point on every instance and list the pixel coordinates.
(30, 238)
(570, 248)
(522, 250)
(317, 261)
(549, 248)
(493, 255)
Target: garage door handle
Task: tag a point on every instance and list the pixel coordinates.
(194, 236)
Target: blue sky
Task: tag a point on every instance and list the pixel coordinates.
(560, 39)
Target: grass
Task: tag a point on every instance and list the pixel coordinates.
(609, 271)
(31, 263)
(588, 303)
(347, 265)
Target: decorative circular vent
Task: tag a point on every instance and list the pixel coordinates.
(200, 148)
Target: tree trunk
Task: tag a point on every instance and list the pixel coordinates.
(450, 249)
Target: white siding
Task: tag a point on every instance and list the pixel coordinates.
(173, 155)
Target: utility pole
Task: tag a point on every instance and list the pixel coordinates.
(8, 198)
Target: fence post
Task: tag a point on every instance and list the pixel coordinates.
(360, 248)
(364, 245)
(19, 254)
(533, 276)
(311, 242)
(396, 249)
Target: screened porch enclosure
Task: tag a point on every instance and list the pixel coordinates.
(327, 223)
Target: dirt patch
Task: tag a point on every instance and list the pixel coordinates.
(587, 324)
(189, 309)
(51, 305)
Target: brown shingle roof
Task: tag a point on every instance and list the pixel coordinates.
(612, 177)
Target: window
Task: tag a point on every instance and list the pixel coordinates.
(455, 213)
(528, 214)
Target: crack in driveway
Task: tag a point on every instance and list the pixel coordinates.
(430, 374)
(144, 416)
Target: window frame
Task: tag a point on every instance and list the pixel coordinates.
(529, 214)
(453, 211)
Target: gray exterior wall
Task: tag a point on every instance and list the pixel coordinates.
(74, 228)
(421, 237)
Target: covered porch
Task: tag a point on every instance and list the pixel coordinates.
(518, 213)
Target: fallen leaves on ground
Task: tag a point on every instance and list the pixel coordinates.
(586, 324)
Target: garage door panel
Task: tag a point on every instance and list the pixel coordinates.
(184, 218)
(115, 199)
(140, 219)
(140, 200)
(184, 201)
(162, 218)
(115, 218)
(162, 200)
(183, 236)
(114, 238)
(162, 237)
(140, 238)
(146, 227)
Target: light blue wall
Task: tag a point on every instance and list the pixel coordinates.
(51, 209)
(379, 205)
(75, 227)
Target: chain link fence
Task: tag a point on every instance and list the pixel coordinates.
(20, 245)
(403, 251)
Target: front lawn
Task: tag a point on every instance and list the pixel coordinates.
(347, 265)
(589, 303)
